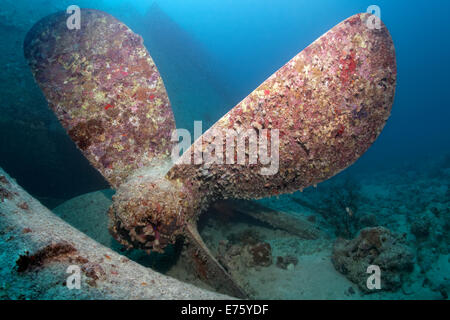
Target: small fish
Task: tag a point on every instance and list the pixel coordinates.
(152, 96)
(108, 106)
(267, 92)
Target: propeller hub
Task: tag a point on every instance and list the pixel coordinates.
(149, 213)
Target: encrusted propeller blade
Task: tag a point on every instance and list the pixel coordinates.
(329, 103)
(105, 90)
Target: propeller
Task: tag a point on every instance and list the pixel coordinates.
(310, 120)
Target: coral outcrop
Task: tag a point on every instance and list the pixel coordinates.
(374, 246)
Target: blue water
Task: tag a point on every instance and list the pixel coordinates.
(212, 53)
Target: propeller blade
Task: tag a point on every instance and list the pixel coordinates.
(105, 90)
(327, 105)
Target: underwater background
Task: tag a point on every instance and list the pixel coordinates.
(211, 54)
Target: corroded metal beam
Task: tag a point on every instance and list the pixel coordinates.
(37, 247)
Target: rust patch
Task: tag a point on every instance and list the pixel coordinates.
(49, 253)
(93, 271)
(200, 266)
